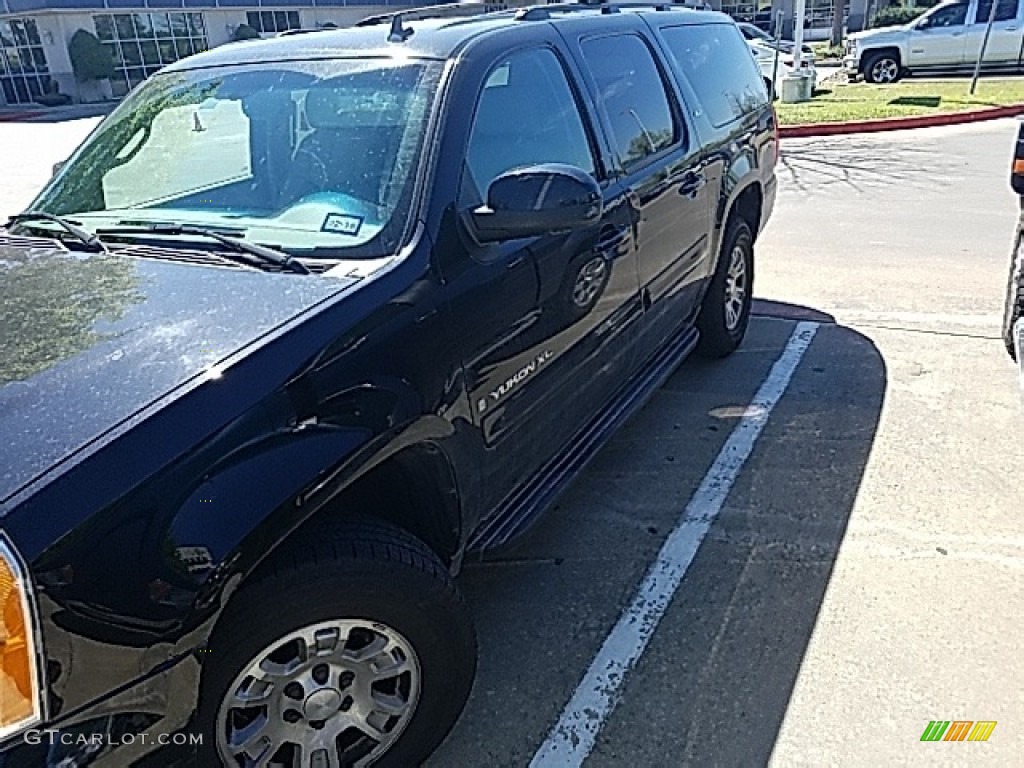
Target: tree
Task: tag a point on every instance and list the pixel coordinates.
(836, 38)
(245, 32)
(90, 59)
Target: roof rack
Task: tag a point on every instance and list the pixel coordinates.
(399, 33)
(542, 12)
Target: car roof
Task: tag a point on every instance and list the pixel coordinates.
(431, 37)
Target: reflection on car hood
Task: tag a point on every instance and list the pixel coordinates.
(90, 339)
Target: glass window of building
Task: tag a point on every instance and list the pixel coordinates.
(24, 74)
(269, 22)
(141, 43)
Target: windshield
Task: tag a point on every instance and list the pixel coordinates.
(310, 157)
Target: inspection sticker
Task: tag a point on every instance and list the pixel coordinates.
(342, 224)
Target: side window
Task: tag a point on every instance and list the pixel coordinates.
(1005, 11)
(526, 114)
(716, 61)
(632, 91)
(953, 16)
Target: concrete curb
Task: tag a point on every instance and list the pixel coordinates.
(899, 123)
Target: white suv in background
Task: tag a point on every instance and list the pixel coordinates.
(776, 64)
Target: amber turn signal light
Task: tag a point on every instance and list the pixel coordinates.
(19, 692)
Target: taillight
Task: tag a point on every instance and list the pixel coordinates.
(19, 689)
(1017, 167)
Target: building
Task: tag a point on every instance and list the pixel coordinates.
(143, 35)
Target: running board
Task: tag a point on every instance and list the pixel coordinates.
(514, 516)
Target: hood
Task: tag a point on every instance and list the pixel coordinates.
(882, 34)
(87, 340)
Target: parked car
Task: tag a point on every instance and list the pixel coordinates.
(307, 320)
(1013, 313)
(945, 39)
(775, 65)
(757, 35)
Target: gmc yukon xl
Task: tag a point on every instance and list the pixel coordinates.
(306, 320)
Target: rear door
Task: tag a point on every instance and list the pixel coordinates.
(656, 156)
(1004, 44)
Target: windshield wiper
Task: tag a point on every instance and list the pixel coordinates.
(87, 237)
(262, 252)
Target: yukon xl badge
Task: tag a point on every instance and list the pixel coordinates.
(342, 224)
(515, 379)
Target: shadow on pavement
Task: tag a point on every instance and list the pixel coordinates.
(714, 684)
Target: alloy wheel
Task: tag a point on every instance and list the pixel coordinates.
(332, 695)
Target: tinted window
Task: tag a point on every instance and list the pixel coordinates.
(1006, 10)
(526, 114)
(717, 62)
(951, 16)
(633, 94)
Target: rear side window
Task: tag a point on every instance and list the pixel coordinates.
(632, 92)
(717, 62)
(1005, 11)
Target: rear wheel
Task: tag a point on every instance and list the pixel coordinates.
(725, 311)
(353, 648)
(1014, 308)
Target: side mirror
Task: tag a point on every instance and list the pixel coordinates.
(538, 200)
(59, 166)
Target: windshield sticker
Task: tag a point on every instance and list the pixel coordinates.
(342, 224)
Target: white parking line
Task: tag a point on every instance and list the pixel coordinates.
(573, 736)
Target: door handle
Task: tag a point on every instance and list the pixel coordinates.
(1010, 29)
(692, 183)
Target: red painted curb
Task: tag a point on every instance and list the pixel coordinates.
(899, 123)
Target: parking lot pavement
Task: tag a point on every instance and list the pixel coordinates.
(863, 575)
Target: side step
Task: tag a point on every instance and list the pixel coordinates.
(517, 513)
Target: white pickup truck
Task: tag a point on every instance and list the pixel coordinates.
(946, 38)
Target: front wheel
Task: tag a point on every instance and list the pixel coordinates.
(725, 311)
(882, 68)
(354, 648)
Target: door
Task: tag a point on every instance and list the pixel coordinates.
(1004, 44)
(660, 164)
(543, 321)
(939, 39)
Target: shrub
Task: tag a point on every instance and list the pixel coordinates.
(895, 15)
(90, 59)
(245, 32)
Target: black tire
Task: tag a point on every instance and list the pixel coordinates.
(1014, 308)
(882, 68)
(719, 337)
(360, 570)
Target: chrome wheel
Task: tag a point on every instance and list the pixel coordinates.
(735, 288)
(333, 695)
(589, 281)
(884, 71)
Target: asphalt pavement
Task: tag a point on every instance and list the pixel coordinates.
(834, 527)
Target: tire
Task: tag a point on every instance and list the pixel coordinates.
(394, 603)
(1014, 308)
(882, 68)
(725, 310)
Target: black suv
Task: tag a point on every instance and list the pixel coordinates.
(305, 321)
